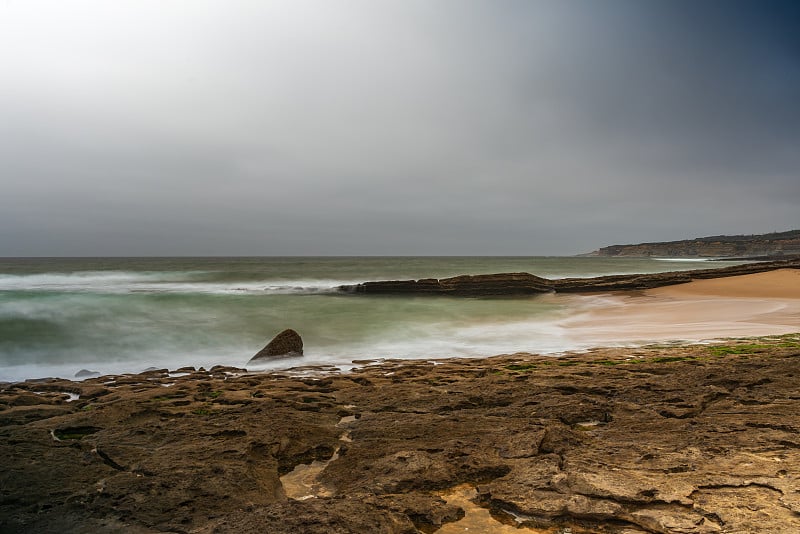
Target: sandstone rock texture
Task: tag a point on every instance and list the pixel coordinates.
(695, 439)
(518, 284)
(285, 344)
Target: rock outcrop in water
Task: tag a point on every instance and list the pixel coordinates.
(466, 285)
(285, 345)
(698, 440)
(518, 284)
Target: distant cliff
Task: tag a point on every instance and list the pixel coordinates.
(775, 245)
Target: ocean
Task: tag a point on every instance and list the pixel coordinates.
(124, 315)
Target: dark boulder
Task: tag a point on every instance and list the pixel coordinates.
(286, 344)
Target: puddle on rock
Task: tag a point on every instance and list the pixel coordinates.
(479, 520)
(346, 419)
(588, 425)
(70, 396)
(178, 374)
(301, 483)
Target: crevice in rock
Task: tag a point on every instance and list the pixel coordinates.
(227, 434)
(431, 519)
(772, 426)
(736, 486)
(694, 411)
(714, 518)
(108, 461)
(74, 432)
(508, 513)
(757, 383)
(465, 475)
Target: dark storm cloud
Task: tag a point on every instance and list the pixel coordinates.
(394, 127)
(707, 78)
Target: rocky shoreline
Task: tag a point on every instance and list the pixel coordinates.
(517, 284)
(657, 439)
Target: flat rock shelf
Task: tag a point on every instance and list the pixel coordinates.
(656, 439)
(517, 284)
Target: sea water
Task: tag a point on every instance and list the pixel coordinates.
(116, 315)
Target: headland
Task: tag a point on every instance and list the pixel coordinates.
(760, 246)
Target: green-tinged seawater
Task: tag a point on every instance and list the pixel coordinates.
(113, 315)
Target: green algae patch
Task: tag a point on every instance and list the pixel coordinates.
(670, 353)
(521, 366)
(668, 359)
(609, 363)
(745, 346)
(725, 350)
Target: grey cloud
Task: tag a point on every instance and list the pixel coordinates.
(411, 127)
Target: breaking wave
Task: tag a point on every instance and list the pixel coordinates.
(161, 282)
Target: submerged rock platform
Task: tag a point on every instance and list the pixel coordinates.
(518, 284)
(657, 439)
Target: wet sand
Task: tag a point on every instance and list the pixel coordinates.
(780, 284)
(749, 305)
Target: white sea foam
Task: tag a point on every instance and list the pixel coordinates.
(289, 287)
(160, 282)
(689, 260)
(133, 363)
(78, 281)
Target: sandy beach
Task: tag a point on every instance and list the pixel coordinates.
(749, 305)
(779, 284)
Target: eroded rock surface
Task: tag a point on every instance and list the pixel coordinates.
(698, 439)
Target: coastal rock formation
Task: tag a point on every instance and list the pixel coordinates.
(772, 245)
(519, 284)
(696, 439)
(286, 344)
(466, 285)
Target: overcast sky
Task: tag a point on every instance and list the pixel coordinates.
(172, 127)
